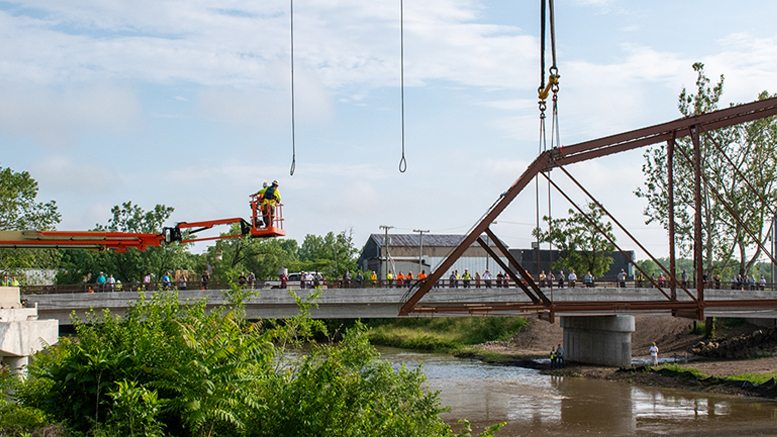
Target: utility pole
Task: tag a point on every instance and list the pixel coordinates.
(385, 250)
(421, 249)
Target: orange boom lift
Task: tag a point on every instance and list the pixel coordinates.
(120, 241)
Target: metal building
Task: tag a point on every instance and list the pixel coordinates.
(403, 252)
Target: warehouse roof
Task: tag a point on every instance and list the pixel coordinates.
(430, 240)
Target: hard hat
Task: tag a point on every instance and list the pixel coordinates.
(275, 182)
(264, 185)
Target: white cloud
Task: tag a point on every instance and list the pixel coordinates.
(59, 117)
(60, 174)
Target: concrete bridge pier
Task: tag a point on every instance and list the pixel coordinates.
(602, 340)
(21, 333)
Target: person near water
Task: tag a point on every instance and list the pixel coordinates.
(654, 353)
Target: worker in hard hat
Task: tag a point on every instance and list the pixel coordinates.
(258, 201)
(270, 196)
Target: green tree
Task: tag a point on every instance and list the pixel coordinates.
(752, 147)
(19, 210)
(331, 254)
(584, 249)
(264, 257)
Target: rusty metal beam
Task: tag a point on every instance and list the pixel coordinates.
(662, 132)
(697, 253)
(506, 198)
(765, 203)
(504, 267)
(599, 229)
(671, 275)
(526, 277)
(572, 307)
(670, 194)
(737, 218)
(560, 156)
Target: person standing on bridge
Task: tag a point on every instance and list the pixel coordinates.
(588, 280)
(487, 278)
(684, 278)
(284, 280)
(572, 278)
(622, 279)
(374, 278)
(400, 279)
(408, 279)
(560, 278)
(477, 279)
(465, 278)
(101, 282)
(654, 353)
(205, 279)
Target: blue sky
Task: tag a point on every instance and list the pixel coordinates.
(187, 103)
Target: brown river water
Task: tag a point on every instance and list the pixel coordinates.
(537, 405)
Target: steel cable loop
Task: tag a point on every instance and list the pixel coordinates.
(403, 161)
(293, 139)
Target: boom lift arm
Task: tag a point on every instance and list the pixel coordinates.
(120, 241)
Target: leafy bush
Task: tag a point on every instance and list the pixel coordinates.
(171, 369)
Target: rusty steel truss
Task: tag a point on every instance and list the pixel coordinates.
(559, 157)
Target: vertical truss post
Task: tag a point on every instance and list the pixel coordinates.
(697, 249)
(670, 207)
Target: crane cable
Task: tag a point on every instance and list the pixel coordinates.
(544, 90)
(293, 141)
(403, 161)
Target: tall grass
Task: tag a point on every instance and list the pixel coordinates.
(442, 334)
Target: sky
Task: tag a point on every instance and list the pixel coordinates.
(188, 104)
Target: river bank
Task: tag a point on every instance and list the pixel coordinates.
(675, 337)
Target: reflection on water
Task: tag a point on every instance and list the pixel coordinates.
(535, 404)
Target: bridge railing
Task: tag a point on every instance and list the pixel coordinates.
(91, 287)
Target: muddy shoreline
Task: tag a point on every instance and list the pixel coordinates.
(644, 376)
(674, 337)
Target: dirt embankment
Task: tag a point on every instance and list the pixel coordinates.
(673, 336)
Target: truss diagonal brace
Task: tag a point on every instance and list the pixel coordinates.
(524, 275)
(512, 275)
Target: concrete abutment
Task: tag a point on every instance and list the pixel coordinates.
(601, 340)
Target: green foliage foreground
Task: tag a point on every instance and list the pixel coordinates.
(172, 369)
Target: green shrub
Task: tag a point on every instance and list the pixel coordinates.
(172, 369)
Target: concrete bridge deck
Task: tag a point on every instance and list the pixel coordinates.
(385, 302)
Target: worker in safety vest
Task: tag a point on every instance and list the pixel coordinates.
(466, 278)
(400, 279)
(254, 204)
(270, 196)
(422, 275)
(408, 278)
